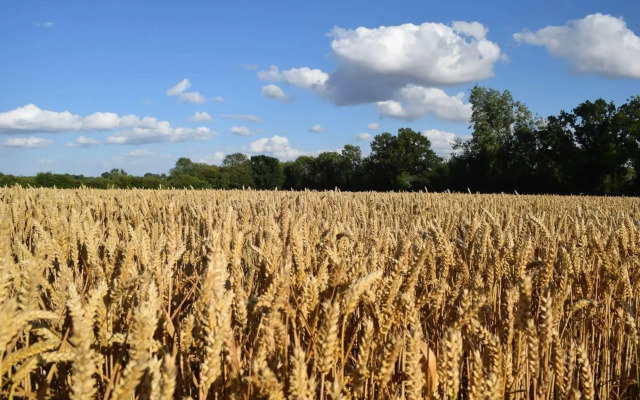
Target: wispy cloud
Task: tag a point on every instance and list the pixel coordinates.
(242, 117)
(241, 131)
(82, 141)
(28, 142)
(316, 129)
(179, 90)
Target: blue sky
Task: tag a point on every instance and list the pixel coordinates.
(90, 86)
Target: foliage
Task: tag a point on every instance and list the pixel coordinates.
(592, 149)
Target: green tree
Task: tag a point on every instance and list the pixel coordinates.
(604, 146)
(629, 123)
(184, 166)
(234, 159)
(402, 162)
(267, 172)
(299, 174)
(500, 126)
(238, 171)
(327, 170)
(351, 169)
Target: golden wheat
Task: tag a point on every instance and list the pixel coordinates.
(244, 294)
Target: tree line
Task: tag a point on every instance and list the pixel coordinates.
(592, 149)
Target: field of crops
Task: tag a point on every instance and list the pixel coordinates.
(247, 295)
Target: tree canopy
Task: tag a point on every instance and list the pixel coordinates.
(592, 149)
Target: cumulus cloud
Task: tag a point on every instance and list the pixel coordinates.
(316, 129)
(28, 142)
(363, 136)
(305, 77)
(192, 97)
(473, 29)
(427, 54)
(159, 132)
(83, 141)
(373, 126)
(441, 141)
(380, 65)
(415, 102)
(200, 117)
(218, 99)
(274, 92)
(598, 43)
(31, 119)
(241, 131)
(179, 90)
(276, 146)
(100, 121)
(242, 117)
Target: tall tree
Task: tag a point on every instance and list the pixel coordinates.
(604, 146)
(351, 169)
(299, 174)
(498, 121)
(268, 172)
(237, 169)
(629, 123)
(402, 162)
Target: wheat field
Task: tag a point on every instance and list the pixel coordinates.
(134, 294)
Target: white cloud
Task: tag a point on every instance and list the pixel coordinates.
(474, 29)
(29, 142)
(180, 90)
(363, 136)
(274, 92)
(218, 99)
(100, 121)
(241, 131)
(213, 159)
(373, 126)
(276, 146)
(375, 64)
(200, 117)
(31, 119)
(46, 161)
(597, 43)
(305, 77)
(242, 117)
(316, 129)
(430, 53)
(159, 132)
(141, 153)
(441, 141)
(44, 24)
(413, 102)
(83, 141)
(192, 97)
